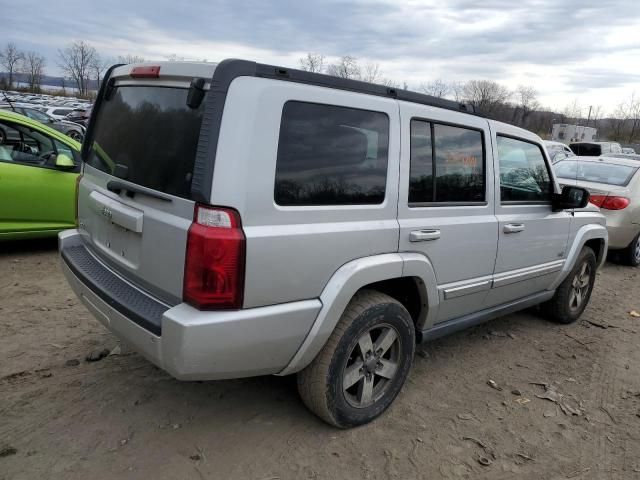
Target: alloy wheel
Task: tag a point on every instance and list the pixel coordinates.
(580, 287)
(373, 363)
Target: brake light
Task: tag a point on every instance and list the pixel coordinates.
(610, 202)
(78, 178)
(597, 200)
(214, 265)
(147, 71)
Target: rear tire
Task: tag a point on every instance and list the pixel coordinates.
(631, 254)
(362, 367)
(573, 294)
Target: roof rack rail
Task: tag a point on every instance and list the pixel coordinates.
(232, 68)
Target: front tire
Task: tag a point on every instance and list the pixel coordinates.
(362, 367)
(573, 294)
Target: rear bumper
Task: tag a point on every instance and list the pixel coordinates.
(620, 236)
(188, 343)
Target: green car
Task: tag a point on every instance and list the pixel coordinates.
(38, 171)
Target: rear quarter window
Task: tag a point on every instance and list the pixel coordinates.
(331, 155)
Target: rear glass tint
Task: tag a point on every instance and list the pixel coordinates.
(151, 134)
(329, 155)
(597, 172)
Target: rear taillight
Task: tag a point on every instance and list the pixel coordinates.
(214, 265)
(609, 202)
(78, 178)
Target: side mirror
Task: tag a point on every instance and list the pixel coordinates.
(64, 161)
(570, 198)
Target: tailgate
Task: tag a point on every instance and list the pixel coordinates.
(135, 205)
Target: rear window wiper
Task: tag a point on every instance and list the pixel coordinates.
(116, 186)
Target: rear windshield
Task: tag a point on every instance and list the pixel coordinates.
(151, 135)
(597, 172)
(587, 149)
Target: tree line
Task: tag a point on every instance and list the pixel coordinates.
(83, 66)
(520, 106)
(79, 61)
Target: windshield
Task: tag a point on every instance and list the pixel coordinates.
(151, 134)
(597, 172)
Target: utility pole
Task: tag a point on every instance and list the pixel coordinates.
(589, 117)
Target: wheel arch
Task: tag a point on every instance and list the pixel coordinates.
(387, 273)
(592, 235)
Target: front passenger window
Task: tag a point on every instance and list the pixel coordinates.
(524, 176)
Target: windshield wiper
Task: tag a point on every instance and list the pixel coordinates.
(116, 187)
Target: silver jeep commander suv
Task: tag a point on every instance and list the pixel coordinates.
(240, 219)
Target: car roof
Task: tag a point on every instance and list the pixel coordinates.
(605, 159)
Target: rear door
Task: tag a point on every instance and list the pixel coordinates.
(532, 237)
(135, 205)
(445, 207)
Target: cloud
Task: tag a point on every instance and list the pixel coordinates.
(584, 47)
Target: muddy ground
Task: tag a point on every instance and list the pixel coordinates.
(62, 417)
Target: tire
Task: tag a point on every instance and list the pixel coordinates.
(631, 254)
(573, 294)
(376, 383)
(76, 135)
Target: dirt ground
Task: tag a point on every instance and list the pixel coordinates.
(62, 417)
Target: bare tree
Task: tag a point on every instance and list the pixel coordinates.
(312, 62)
(345, 67)
(77, 61)
(437, 88)
(596, 114)
(526, 102)
(32, 66)
(10, 58)
(130, 59)
(573, 111)
(98, 66)
(371, 73)
(485, 95)
(174, 57)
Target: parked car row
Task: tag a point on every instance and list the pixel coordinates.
(67, 115)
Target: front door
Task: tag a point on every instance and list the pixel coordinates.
(35, 196)
(532, 237)
(445, 206)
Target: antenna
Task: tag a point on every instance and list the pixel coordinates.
(8, 101)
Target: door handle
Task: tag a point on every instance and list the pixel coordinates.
(513, 227)
(424, 235)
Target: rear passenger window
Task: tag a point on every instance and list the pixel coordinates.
(524, 176)
(456, 175)
(329, 155)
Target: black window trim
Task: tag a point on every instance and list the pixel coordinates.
(549, 172)
(332, 205)
(477, 203)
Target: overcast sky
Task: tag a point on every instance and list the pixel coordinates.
(587, 50)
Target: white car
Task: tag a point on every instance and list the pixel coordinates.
(59, 113)
(614, 185)
(557, 150)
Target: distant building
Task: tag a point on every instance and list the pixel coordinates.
(566, 133)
